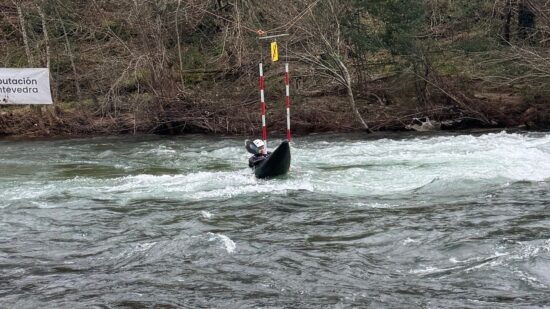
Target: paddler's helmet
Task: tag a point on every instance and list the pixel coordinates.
(259, 145)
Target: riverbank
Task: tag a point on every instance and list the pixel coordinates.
(310, 114)
(403, 71)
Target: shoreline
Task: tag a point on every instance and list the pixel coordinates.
(309, 115)
(377, 135)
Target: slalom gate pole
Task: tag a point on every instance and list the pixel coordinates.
(287, 103)
(262, 98)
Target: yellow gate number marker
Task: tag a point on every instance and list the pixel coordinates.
(274, 52)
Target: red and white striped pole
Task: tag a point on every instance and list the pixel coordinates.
(262, 98)
(287, 103)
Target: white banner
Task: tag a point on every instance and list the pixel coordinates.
(25, 86)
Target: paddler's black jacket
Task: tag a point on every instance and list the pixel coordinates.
(257, 159)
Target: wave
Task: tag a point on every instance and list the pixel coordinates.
(520, 259)
(183, 247)
(441, 165)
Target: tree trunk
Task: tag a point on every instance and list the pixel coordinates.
(71, 57)
(180, 56)
(30, 58)
(351, 97)
(48, 63)
(45, 32)
(23, 26)
(507, 18)
(526, 20)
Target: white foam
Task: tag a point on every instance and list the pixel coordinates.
(373, 205)
(409, 241)
(228, 244)
(360, 168)
(144, 246)
(426, 270)
(391, 166)
(529, 279)
(160, 150)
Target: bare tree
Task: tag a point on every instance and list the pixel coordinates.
(178, 40)
(39, 7)
(535, 57)
(23, 24)
(325, 48)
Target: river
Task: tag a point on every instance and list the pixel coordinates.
(412, 221)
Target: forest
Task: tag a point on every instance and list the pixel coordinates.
(191, 66)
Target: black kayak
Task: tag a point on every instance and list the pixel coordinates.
(276, 164)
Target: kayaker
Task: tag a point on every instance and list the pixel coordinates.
(259, 154)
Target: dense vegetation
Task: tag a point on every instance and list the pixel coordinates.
(171, 66)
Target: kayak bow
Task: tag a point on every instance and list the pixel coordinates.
(277, 164)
